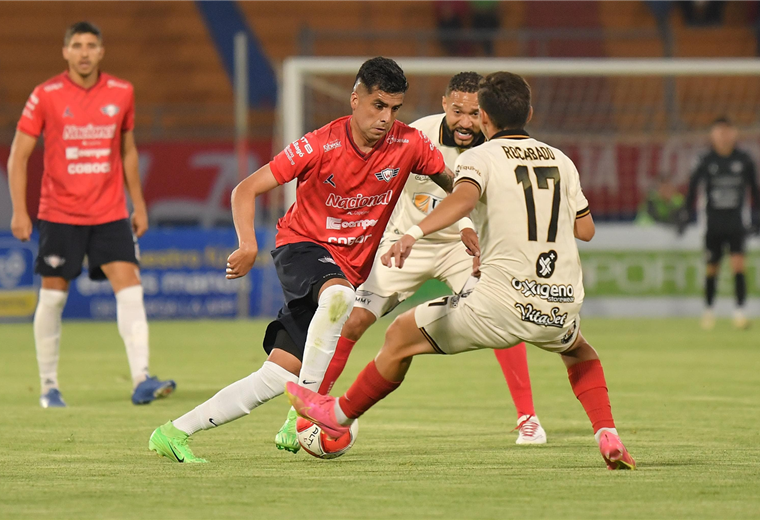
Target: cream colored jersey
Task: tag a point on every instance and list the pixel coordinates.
(420, 194)
(525, 217)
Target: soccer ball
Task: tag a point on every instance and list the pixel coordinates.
(316, 443)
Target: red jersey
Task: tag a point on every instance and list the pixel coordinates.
(83, 177)
(344, 197)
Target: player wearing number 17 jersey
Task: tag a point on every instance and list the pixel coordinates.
(526, 201)
(350, 174)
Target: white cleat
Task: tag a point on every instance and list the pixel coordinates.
(530, 430)
(740, 320)
(708, 320)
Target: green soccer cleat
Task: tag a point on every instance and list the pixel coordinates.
(287, 438)
(171, 443)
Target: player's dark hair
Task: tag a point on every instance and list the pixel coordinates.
(505, 97)
(81, 28)
(383, 74)
(722, 120)
(468, 82)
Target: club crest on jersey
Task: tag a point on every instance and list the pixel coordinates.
(110, 110)
(546, 263)
(387, 174)
(67, 113)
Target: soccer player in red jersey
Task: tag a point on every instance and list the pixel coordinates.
(87, 120)
(350, 174)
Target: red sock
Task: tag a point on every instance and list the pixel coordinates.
(337, 364)
(587, 380)
(514, 364)
(367, 390)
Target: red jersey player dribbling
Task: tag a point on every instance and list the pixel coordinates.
(345, 197)
(350, 174)
(87, 119)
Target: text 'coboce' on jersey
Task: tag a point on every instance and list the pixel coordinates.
(344, 197)
(83, 178)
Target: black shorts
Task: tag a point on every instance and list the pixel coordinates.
(715, 243)
(303, 268)
(64, 246)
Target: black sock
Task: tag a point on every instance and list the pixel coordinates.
(710, 290)
(740, 286)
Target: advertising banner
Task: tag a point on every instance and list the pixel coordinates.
(183, 277)
(18, 285)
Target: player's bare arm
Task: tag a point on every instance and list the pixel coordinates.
(243, 211)
(21, 150)
(131, 161)
(584, 228)
(457, 205)
(445, 180)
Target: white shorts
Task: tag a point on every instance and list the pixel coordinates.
(386, 287)
(472, 321)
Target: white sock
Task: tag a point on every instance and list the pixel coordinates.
(133, 328)
(335, 304)
(238, 399)
(47, 335)
(340, 415)
(598, 434)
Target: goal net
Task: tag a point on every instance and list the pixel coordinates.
(625, 123)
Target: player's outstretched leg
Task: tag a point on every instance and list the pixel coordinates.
(587, 379)
(514, 365)
(333, 309)
(403, 341)
(230, 403)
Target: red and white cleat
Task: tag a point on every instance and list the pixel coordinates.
(319, 409)
(530, 430)
(614, 453)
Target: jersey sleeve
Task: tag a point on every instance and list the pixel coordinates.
(128, 124)
(576, 191)
(429, 159)
(470, 167)
(32, 120)
(297, 159)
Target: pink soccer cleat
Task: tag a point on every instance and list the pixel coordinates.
(319, 409)
(614, 453)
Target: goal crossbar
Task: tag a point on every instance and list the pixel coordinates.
(296, 69)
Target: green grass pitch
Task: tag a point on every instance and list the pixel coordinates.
(687, 404)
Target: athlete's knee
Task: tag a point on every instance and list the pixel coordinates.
(581, 350)
(55, 283)
(285, 360)
(357, 324)
(399, 336)
(737, 263)
(121, 275)
(338, 299)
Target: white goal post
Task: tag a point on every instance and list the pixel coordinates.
(297, 71)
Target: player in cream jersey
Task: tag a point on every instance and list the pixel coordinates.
(441, 255)
(530, 268)
(526, 201)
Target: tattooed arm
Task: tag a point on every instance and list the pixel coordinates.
(444, 179)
